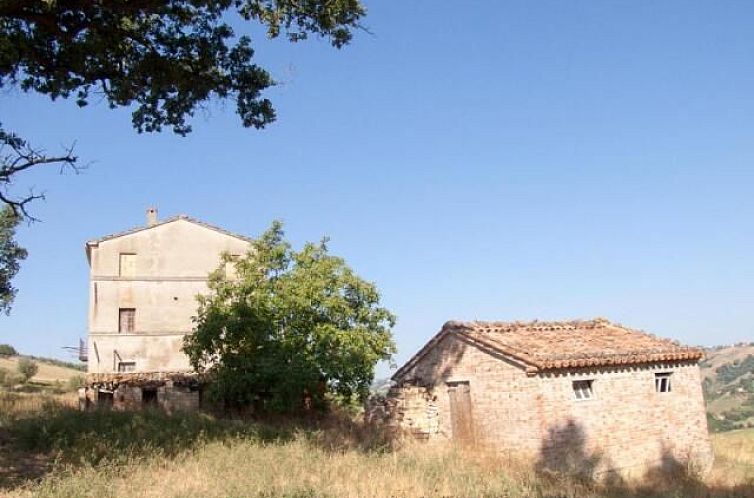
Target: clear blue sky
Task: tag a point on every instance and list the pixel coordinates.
(478, 160)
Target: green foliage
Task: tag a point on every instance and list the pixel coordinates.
(290, 325)
(7, 350)
(92, 436)
(163, 57)
(3, 376)
(58, 363)
(74, 382)
(729, 372)
(11, 254)
(27, 368)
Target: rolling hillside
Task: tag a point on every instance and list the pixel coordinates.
(728, 381)
(48, 372)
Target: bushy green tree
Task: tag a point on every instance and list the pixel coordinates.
(161, 58)
(289, 326)
(7, 350)
(27, 368)
(11, 254)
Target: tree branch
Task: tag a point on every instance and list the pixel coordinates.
(17, 156)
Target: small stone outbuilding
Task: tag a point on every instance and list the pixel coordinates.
(590, 397)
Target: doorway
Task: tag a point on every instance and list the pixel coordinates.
(461, 421)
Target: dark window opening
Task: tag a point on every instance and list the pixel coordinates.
(149, 397)
(105, 399)
(662, 382)
(582, 389)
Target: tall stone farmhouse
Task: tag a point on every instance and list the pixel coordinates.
(142, 297)
(586, 396)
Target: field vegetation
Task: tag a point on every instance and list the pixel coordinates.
(33, 375)
(728, 381)
(49, 449)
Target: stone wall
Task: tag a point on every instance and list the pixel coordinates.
(170, 392)
(626, 427)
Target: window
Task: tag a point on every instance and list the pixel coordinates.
(149, 397)
(230, 267)
(127, 265)
(662, 382)
(126, 319)
(582, 389)
(126, 366)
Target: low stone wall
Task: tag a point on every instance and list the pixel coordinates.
(410, 409)
(169, 391)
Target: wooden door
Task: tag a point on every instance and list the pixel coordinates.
(461, 421)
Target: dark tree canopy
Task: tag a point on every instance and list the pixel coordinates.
(289, 326)
(10, 256)
(163, 58)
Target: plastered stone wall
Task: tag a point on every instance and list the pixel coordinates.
(627, 427)
(172, 264)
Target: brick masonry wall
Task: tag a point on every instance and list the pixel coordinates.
(501, 395)
(627, 427)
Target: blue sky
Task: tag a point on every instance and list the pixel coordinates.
(484, 160)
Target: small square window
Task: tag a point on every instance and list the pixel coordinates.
(127, 265)
(582, 389)
(230, 267)
(126, 366)
(662, 382)
(126, 319)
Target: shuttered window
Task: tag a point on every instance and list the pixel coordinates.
(126, 366)
(126, 319)
(582, 389)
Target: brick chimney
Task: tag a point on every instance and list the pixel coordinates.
(151, 216)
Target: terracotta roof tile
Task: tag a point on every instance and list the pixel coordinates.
(543, 346)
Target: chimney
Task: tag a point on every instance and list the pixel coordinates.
(151, 216)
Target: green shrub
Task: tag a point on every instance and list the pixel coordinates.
(27, 368)
(7, 350)
(75, 382)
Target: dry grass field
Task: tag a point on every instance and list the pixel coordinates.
(50, 450)
(47, 373)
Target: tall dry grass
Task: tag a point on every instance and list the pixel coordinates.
(150, 454)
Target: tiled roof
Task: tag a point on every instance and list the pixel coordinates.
(543, 346)
(165, 221)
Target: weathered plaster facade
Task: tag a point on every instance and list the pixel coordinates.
(625, 427)
(142, 297)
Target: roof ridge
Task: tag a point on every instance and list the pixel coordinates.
(170, 219)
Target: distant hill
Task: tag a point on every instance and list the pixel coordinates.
(50, 370)
(728, 382)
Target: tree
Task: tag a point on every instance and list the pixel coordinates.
(163, 58)
(27, 368)
(10, 256)
(7, 350)
(288, 326)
